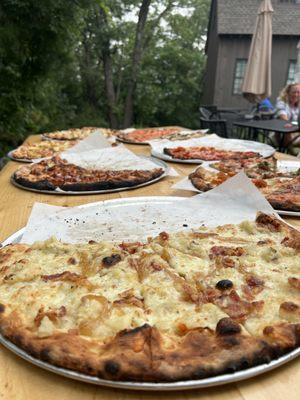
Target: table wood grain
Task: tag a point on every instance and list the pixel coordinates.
(20, 380)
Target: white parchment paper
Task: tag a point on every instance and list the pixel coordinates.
(137, 218)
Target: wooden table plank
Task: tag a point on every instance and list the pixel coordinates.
(20, 380)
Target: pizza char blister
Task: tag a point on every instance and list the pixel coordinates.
(182, 306)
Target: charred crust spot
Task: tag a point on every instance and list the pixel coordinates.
(230, 341)
(135, 330)
(224, 284)
(200, 373)
(111, 261)
(17, 339)
(72, 261)
(45, 354)
(226, 326)
(88, 368)
(2, 308)
(92, 242)
(237, 365)
(112, 367)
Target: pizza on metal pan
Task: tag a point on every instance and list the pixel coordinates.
(77, 133)
(281, 189)
(41, 150)
(145, 134)
(207, 153)
(50, 174)
(182, 306)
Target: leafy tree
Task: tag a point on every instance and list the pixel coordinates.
(99, 62)
(36, 42)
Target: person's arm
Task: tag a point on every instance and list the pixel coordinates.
(281, 110)
(283, 116)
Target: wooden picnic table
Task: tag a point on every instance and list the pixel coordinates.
(20, 380)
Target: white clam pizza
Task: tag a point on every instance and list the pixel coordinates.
(182, 306)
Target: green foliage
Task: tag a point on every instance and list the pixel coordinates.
(51, 63)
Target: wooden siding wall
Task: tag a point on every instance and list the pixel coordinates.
(224, 55)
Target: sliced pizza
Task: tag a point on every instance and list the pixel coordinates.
(182, 306)
(56, 173)
(283, 192)
(207, 153)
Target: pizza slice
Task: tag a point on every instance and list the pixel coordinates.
(50, 174)
(282, 192)
(257, 167)
(207, 153)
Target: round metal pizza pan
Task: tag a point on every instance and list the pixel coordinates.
(10, 155)
(72, 193)
(179, 385)
(120, 139)
(145, 143)
(254, 146)
(147, 386)
(165, 157)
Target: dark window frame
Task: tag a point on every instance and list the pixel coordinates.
(291, 61)
(235, 77)
(290, 1)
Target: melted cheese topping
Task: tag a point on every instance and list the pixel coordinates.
(171, 283)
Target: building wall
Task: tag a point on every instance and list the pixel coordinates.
(232, 47)
(212, 59)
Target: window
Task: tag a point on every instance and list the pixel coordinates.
(291, 71)
(290, 1)
(239, 73)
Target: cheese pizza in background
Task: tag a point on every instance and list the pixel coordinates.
(41, 149)
(77, 133)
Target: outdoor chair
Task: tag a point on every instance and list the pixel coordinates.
(217, 126)
(209, 112)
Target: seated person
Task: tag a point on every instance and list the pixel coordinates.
(288, 102)
(265, 105)
(287, 109)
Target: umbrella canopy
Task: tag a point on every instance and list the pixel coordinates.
(257, 81)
